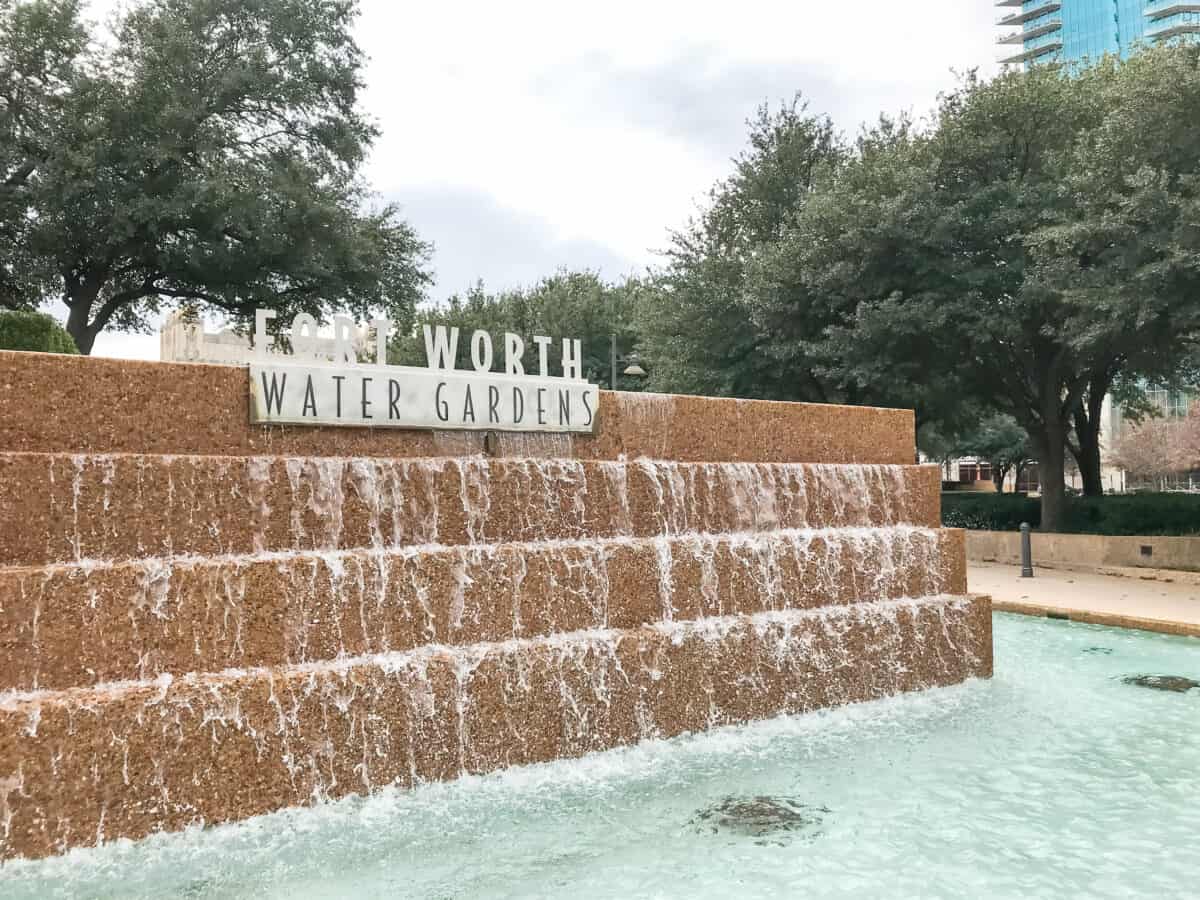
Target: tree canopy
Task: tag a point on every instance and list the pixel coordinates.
(697, 333)
(1030, 244)
(208, 154)
(1002, 443)
(1036, 242)
(744, 302)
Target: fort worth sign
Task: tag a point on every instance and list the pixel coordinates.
(308, 387)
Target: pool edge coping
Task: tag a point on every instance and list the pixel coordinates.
(1090, 617)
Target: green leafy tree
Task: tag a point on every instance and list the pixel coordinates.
(40, 45)
(26, 330)
(208, 154)
(936, 444)
(1003, 443)
(806, 286)
(736, 311)
(697, 330)
(1035, 242)
(564, 305)
(1128, 244)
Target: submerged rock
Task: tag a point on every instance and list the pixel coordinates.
(1176, 683)
(1104, 650)
(759, 817)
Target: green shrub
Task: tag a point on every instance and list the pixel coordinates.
(1135, 514)
(989, 512)
(33, 331)
(1118, 514)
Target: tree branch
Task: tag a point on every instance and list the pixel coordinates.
(188, 294)
(119, 299)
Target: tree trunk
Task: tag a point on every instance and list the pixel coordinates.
(77, 324)
(1086, 421)
(1051, 468)
(998, 476)
(1088, 460)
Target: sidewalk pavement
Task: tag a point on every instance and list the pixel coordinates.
(1085, 596)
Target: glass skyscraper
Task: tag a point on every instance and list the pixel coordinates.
(1039, 31)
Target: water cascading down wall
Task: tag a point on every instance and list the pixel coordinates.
(203, 620)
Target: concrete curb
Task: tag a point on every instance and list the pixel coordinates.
(1115, 620)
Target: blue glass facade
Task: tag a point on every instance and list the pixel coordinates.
(1038, 31)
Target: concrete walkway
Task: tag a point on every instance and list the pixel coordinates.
(1082, 596)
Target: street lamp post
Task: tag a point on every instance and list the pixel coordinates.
(632, 364)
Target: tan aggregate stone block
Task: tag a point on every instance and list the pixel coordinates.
(129, 507)
(67, 626)
(82, 766)
(52, 403)
(690, 429)
(202, 620)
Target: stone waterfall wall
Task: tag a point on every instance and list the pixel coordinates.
(201, 620)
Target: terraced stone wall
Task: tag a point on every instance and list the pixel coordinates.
(201, 620)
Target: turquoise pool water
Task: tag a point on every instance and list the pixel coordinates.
(1054, 779)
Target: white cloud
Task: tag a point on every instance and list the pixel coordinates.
(528, 135)
(479, 239)
(524, 101)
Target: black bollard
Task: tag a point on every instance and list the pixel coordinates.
(1026, 552)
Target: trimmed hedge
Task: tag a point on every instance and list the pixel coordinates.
(1117, 514)
(35, 331)
(989, 512)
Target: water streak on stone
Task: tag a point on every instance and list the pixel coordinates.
(257, 504)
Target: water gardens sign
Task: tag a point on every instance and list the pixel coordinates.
(324, 383)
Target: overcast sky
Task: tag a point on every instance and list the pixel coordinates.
(521, 137)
